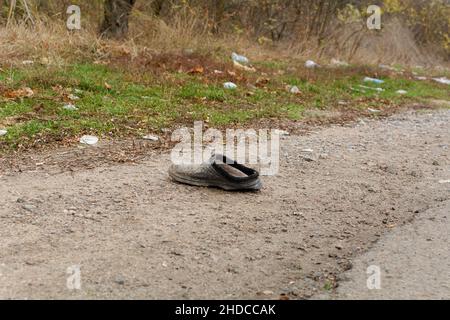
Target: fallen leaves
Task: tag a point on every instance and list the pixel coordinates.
(108, 86)
(262, 82)
(197, 70)
(19, 93)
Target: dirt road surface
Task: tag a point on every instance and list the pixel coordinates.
(133, 233)
(413, 262)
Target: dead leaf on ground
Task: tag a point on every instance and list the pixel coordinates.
(20, 93)
(261, 82)
(196, 70)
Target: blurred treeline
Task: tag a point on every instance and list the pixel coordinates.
(330, 27)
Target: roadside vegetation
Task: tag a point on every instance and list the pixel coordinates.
(169, 65)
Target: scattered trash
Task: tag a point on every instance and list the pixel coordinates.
(386, 67)
(239, 58)
(342, 103)
(239, 66)
(3, 132)
(70, 107)
(371, 88)
(401, 91)
(442, 80)
(373, 110)
(292, 89)
(267, 292)
(218, 72)
(339, 63)
(311, 64)
(150, 137)
(308, 150)
(373, 80)
(444, 181)
(229, 85)
(211, 173)
(27, 62)
(420, 78)
(73, 97)
(281, 132)
(90, 140)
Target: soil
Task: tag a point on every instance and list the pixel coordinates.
(136, 234)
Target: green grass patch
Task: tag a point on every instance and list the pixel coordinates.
(114, 103)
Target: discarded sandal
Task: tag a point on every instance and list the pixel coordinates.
(219, 171)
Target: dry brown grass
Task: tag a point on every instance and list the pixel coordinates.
(49, 42)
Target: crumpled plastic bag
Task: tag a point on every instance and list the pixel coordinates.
(229, 85)
(89, 140)
(239, 58)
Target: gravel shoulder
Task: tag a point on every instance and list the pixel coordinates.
(413, 262)
(135, 234)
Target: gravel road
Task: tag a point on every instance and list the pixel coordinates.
(365, 194)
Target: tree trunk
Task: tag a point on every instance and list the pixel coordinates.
(1, 10)
(115, 24)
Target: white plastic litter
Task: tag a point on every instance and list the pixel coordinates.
(339, 63)
(386, 67)
(281, 132)
(3, 132)
(371, 88)
(229, 85)
(73, 97)
(240, 66)
(27, 62)
(401, 91)
(311, 64)
(70, 107)
(421, 78)
(444, 181)
(373, 80)
(373, 110)
(442, 80)
(90, 140)
(150, 137)
(239, 58)
(293, 89)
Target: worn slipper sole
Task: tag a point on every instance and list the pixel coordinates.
(204, 183)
